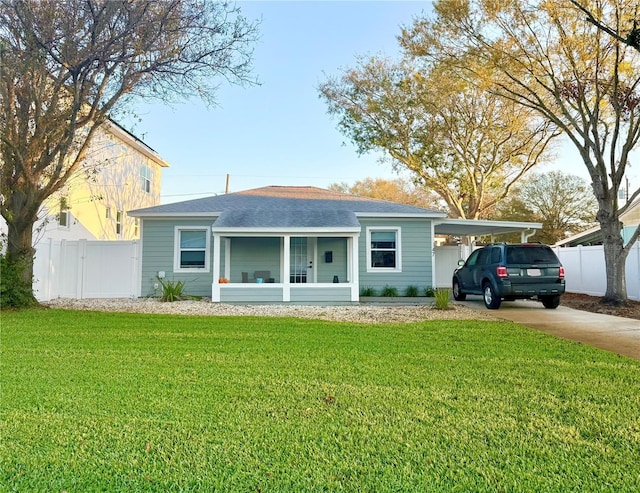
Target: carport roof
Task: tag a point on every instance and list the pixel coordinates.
(478, 227)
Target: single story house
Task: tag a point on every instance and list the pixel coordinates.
(630, 220)
(295, 244)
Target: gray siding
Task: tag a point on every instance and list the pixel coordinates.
(157, 255)
(260, 294)
(416, 250)
(252, 254)
(320, 295)
(338, 266)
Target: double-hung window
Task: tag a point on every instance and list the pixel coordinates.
(119, 219)
(145, 178)
(383, 251)
(191, 249)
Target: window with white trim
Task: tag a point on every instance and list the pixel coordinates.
(119, 217)
(64, 216)
(191, 249)
(383, 250)
(145, 178)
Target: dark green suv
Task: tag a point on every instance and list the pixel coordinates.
(508, 272)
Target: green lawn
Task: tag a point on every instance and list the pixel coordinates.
(126, 403)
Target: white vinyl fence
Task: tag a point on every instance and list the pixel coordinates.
(585, 270)
(110, 269)
(86, 269)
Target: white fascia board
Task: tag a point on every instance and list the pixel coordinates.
(116, 130)
(401, 215)
(172, 215)
(486, 222)
(578, 236)
(286, 231)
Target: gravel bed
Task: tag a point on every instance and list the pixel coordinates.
(360, 313)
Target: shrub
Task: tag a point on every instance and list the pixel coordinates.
(390, 291)
(411, 291)
(13, 292)
(442, 296)
(368, 291)
(172, 291)
(429, 292)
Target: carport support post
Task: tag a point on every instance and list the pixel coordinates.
(286, 268)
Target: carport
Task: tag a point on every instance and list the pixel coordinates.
(446, 257)
(476, 227)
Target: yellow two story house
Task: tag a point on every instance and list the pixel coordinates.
(121, 173)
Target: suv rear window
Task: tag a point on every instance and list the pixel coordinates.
(531, 255)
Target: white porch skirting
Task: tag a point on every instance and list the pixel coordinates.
(283, 293)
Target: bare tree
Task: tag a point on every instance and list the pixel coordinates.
(66, 66)
(458, 141)
(547, 57)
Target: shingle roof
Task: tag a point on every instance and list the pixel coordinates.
(276, 206)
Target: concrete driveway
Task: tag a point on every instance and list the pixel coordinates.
(616, 334)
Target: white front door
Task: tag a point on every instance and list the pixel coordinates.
(301, 260)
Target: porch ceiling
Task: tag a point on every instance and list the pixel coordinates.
(472, 227)
(286, 218)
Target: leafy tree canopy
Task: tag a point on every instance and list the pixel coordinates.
(563, 203)
(547, 57)
(455, 138)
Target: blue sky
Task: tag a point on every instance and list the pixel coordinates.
(279, 133)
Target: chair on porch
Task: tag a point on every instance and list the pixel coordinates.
(265, 275)
(245, 277)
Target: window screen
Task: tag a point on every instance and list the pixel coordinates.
(193, 244)
(383, 249)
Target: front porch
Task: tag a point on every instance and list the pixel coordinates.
(297, 267)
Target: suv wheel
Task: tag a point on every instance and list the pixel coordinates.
(550, 302)
(457, 295)
(491, 301)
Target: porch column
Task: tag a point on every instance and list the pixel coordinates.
(354, 269)
(286, 268)
(433, 256)
(215, 285)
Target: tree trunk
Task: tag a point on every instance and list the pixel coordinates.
(615, 257)
(20, 255)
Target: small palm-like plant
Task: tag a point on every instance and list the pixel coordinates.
(172, 291)
(442, 296)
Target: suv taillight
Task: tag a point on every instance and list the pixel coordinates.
(501, 271)
(561, 273)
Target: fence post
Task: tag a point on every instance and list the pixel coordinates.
(581, 289)
(50, 271)
(80, 281)
(135, 269)
(637, 247)
(62, 267)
